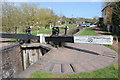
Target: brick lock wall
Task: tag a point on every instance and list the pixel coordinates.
(0, 65)
(11, 61)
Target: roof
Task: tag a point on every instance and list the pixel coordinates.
(109, 4)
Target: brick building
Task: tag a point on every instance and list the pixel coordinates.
(107, 15)
(111, 19)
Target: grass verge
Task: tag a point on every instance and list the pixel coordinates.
(45, 31)
(108, 72)
(12, 40)
(88, 32)
(42, 31)
(71, 25)
(48, 31)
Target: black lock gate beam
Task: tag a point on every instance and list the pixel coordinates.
(69, 39)
(24, 37)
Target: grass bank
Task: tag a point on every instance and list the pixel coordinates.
(45, 31)
(88, 32)
(49, 31)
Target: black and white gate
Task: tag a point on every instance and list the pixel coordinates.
(55, 38)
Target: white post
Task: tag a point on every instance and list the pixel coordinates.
(42, 38)
(108, 27)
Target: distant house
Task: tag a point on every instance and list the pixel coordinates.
(80, 22)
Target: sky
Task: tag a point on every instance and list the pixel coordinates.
(60, 0)
(74, 9)
(71, 8)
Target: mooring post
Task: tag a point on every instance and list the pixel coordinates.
(65, 30)
(28, 31)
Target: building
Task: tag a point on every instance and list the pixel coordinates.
(107, 12)
(107, 15)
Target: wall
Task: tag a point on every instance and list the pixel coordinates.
(11, 61)
(16, 58)
(30, 56)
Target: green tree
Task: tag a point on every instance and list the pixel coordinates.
(9, 17)
(29, 13)
(116, 12)
(46, 16)
(26, 15)
(116, 17)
